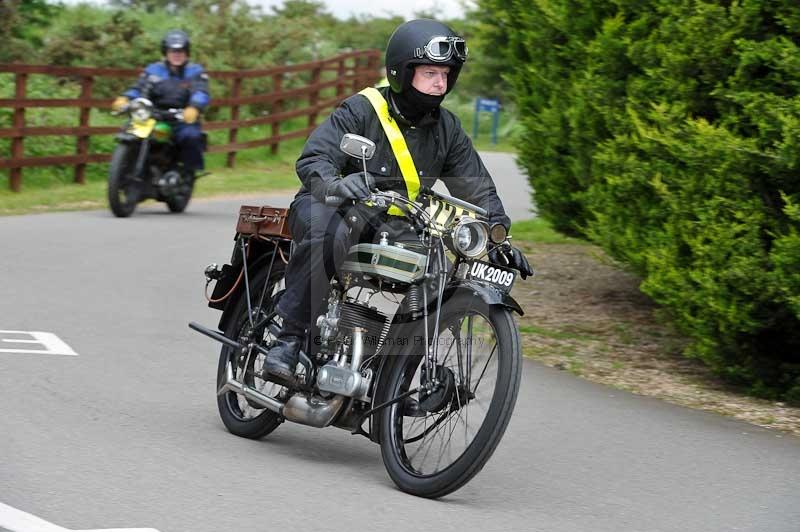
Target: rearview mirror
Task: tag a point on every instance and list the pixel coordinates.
(357, 146)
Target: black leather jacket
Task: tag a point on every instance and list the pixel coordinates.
(438, 144)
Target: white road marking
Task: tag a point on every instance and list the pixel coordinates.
(19, 521)
(51, 344)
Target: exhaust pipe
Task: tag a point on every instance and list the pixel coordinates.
(312, 411)
(300, 408)
(251, 394)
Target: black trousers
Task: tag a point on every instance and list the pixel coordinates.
(322, 239)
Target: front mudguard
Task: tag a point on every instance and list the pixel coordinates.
(490, 295)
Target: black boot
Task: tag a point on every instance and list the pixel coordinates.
(283, 356)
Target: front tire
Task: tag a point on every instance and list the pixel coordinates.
(123, 191)
(434, 450)
(239, 416)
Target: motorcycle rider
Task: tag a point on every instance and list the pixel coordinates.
(176, 83)
(423, 60)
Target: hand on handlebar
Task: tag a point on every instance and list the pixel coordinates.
(190, 115)
(507, 255)
(119, 105)
(351, 187)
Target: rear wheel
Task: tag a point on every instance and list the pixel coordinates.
(178, 201)
(434, 443)
(240, 416)
(124, 189)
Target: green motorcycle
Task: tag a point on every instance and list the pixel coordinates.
(145, 163)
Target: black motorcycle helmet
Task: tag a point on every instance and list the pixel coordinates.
(423, 42)
(175, 40)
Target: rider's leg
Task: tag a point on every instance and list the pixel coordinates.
(189, 138)
(322, 240)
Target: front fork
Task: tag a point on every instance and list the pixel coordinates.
(434, 284)
(141, 159)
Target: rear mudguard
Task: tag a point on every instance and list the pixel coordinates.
(399, 338)
(263, 252)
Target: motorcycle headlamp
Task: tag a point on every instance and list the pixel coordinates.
(470, 238)
(141, 109)
(498, 233)
(441, 49)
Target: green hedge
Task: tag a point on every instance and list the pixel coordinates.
(668, 131)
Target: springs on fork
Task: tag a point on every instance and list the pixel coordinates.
(414, 297)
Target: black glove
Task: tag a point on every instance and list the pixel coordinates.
(351, 187)
(510, 257)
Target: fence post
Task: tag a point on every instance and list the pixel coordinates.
(277, 86)
(83, 140)
(313, 98)
(373, 65)
(356, 74)
(17, 149)
(235, 93)
(340, 76)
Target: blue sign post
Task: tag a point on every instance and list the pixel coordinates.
(492, 106)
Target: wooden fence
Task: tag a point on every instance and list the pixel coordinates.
(351, 72)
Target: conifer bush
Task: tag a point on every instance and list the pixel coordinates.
(668, 132)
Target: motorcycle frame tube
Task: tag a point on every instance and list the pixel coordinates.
(232, 385)
(265, 258)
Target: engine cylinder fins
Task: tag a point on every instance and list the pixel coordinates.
(374, 322)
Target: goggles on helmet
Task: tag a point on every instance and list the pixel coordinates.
(441, 49)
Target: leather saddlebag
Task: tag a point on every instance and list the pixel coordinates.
(263, 221)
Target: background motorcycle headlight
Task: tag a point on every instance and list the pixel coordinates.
(140, 111)
(470, 238)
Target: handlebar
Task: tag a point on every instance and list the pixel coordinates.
(455, 201)
(159, 114)
(392, 197)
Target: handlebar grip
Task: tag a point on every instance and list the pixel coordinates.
(333, 201)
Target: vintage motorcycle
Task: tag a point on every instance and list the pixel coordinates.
(432, 376)
(145, 163)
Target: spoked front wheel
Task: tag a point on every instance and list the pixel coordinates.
(434, 443)
(124, 188)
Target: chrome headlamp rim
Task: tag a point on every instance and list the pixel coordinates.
(141, 109)
(479, 237)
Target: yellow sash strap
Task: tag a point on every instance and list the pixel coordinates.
(398, 143)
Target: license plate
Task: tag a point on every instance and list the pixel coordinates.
(491, 274)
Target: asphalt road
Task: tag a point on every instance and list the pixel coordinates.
(126, 433)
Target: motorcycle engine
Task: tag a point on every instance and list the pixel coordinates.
(376, 324)
(169, 182)
(346, 379)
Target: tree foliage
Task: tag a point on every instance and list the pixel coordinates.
(668, 131)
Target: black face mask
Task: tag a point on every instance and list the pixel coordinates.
(414, 104)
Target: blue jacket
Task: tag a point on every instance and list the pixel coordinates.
(188, 86)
